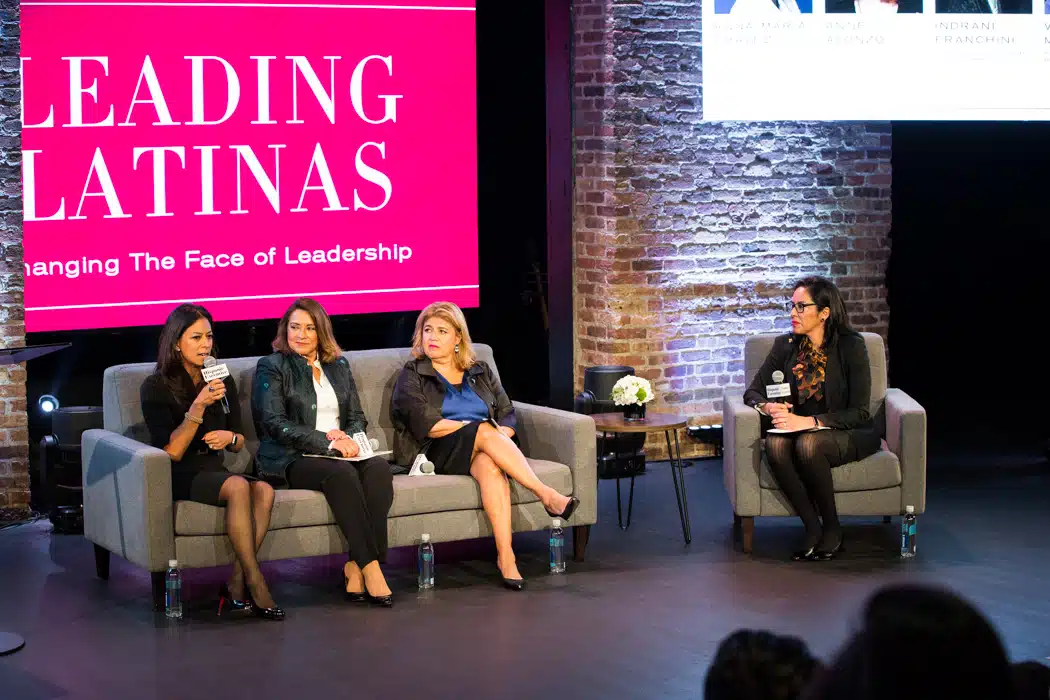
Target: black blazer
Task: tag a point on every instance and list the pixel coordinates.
(847, 384)
(419, 393)
(284, 409)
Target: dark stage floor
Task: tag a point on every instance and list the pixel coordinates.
(640, 618)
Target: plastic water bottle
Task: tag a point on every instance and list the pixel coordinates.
(908, 533)
(173, 591)
(426, 563)
(557, 547)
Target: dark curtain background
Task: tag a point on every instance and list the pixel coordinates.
(968, 278)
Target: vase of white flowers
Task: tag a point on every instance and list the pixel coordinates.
(632, 393)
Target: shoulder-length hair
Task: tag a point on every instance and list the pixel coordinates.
(327, 349)
(453, 315)
(827, 296)
(169, 361)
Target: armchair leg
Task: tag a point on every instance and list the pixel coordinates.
(748, 532)
(102, 562)
(886, 520)
(157, 579)
(737, 523)
(580, 535)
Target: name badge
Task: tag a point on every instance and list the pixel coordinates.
(778, 391)
(215, 372)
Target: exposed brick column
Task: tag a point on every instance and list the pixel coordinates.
(14, 432)
(690, 234)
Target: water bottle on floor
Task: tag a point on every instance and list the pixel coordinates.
(173, 591)
(426, 563)
(908, 533)
(557, 547)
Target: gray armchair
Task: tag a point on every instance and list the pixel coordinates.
(882, 484)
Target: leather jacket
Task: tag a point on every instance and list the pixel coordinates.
(284, 409)
(419, 393)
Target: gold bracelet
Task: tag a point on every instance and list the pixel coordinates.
(194, 419)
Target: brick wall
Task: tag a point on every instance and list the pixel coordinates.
(689, 235)
(14, 433)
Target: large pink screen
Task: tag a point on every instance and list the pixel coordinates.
(243, 154)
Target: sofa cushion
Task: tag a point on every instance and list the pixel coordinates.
(879, 471)
(413, 495)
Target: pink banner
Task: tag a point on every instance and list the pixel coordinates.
(240, 155)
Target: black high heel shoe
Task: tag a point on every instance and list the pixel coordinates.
(350, 595)
(805, 554)
(514, 584)
(381, 601)
(567, 513)
(230, 604)
(275, 613)
(822, 554)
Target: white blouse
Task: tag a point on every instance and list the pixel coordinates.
(327, 403)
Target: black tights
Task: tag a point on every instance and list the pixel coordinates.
(802, 467)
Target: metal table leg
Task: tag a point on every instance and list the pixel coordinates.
(630, 505)
(675, 458)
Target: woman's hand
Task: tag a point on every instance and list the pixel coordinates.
(346, 447)
(789, 421)
(218, 439)
(509, 432)
(775, 408)
(335, 435)
(212, 392)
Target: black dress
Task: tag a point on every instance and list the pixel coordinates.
(200, 474)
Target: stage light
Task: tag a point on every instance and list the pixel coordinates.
(47, 403)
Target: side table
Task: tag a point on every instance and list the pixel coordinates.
(666, 423)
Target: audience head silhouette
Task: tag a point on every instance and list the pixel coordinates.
(920, 642)
(756, 665)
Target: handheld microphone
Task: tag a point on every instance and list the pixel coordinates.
(213, 370)
(778, 389)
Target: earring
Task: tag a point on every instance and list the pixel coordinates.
(457, 349)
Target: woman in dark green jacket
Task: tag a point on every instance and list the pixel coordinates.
(305, 407)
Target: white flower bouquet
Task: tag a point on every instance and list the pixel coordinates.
(632, 393)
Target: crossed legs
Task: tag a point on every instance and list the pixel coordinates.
(248, 508)
(495, 459)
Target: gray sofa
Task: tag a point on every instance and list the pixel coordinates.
(882, 484)
(128, 508)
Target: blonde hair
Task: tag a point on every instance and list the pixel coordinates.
(327, 349)
(453, 315)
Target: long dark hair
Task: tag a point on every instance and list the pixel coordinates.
(169, 362)
(827, 296)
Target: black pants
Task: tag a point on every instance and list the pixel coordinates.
(359, 493)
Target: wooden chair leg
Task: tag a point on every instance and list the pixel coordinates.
(887, 520)
(580, 535)
(748, 530)
(157, 579)
(102, 562)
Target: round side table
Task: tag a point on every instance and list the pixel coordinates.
(666, 423)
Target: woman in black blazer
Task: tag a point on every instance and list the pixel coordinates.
(304, 402)
(185, 418)
(825, 421)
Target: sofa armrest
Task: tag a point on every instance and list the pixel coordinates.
(906, 436)
(127, 498)
(568, 438)
(741, 454)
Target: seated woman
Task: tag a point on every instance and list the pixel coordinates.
(304, 402)
(186, 418)
(445, 403)
(825, 363)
